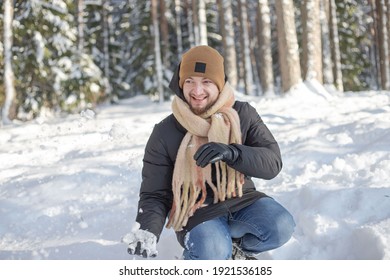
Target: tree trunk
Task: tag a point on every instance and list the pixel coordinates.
(326, 49)
(106, 50)
(382, 44)
(287, 45)
(265, 46)
(388, 28)
(202, 22)
(226, 21)
(157, 51)
(80, 27)
(195, 21)
(8, 112)
(373, 48)
(178, 12)
(245, 49)
(189, 5)
(335, 46)
(311, 41)
(164, 35)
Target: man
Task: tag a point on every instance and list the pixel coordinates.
(197, 171)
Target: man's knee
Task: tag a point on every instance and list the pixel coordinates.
(271, 234)
(285, 226)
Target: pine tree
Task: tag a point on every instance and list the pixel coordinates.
(2, 93)
(289, 60)
(265, 47)
(326, 46)
(140, 65)
(42, 38)
(354, 40)
(7, 112)
(245, 48)
(120, 49)
(311, 41)
(335, 46)
(228, 41)
(157, 51)
(382, 35)
(48, 67)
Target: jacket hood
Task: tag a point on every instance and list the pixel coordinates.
(174, 83)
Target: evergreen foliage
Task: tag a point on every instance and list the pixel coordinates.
(51, 72)
(353, 25)
(140, 59)
(48, 70)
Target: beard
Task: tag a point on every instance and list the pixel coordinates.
(200, 111)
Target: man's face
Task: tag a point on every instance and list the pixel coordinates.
(200, 93)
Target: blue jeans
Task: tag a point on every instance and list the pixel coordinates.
(262, 226)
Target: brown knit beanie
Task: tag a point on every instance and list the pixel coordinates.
(202, 61)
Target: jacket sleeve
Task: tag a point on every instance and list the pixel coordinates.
(259, 154)
(156, 195)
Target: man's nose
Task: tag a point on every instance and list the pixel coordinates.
(198, 88)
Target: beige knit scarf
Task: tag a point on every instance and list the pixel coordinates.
(220, 123)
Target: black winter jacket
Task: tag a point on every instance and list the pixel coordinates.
(259, 157)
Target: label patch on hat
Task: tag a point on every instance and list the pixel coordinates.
(200, 67)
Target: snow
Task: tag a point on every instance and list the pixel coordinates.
(69, 184)
(138, 236)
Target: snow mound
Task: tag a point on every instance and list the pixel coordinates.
(69, 185)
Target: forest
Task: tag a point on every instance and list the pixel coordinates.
(66, 56)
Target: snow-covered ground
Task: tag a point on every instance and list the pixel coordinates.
(69, 185)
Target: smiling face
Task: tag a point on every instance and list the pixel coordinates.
(200, 93)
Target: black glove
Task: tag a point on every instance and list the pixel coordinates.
(213, 152)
